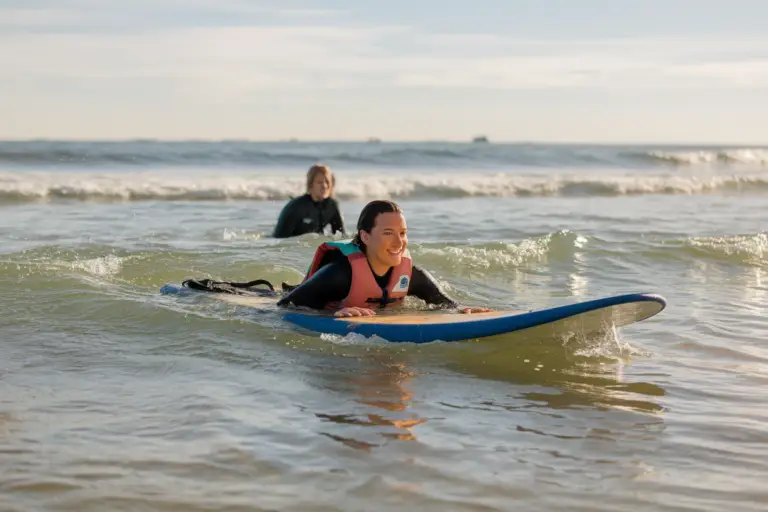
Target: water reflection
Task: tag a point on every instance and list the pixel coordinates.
(754, 288)
(546, 376)
(564, 406)
(386, 389)
(563, 372)
(383, 389)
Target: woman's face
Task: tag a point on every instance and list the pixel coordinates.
(321, 187)
(386, 242)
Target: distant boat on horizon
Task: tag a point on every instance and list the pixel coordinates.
(481, 139)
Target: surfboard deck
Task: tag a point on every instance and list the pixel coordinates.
(582, 317)
(245, 300)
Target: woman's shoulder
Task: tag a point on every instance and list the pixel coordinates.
(294, 202)
(300, 199)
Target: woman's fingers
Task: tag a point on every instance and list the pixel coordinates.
(471, 310)
(346, 312)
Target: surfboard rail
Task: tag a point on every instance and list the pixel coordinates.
(424, 327)
(609, 311)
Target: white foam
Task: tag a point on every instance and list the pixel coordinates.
(488, 257)
(748, 156)
(753, 247)
(102, 266)
(27, 187)
(502, 255)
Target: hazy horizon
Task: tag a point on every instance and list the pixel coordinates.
(703, 144)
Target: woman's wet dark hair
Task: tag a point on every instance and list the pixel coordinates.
(367, 218)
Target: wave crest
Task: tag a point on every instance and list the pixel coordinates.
(744, 156)
(126, 187)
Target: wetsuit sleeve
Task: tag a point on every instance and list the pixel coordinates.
(337, 221)
(286, 222)
(425, 287)
(329, 284)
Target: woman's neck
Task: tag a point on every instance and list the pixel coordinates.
(377, 268)
(315, 199)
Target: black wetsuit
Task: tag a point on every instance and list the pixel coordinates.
(303, 215)
(332, 282)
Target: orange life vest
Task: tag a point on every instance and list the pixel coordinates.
(364, 291)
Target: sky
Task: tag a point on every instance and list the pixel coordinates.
(674, 71)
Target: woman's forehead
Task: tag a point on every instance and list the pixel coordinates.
(390, 220)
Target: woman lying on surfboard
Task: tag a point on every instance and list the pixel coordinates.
(375, 270)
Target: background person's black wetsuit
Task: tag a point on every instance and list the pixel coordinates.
(332, 282)
(303, 215)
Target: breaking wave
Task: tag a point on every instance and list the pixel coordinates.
(126, 187)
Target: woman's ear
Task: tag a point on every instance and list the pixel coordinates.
(365, 236)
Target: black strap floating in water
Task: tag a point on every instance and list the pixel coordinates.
(209, 285)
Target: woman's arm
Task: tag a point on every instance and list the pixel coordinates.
(329, 284)
(286, 222)
(425, 287)
(337, 221)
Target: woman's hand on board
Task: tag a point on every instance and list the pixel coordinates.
(346, 312)
(470, 310)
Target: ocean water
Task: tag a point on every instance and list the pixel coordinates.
(114, 397)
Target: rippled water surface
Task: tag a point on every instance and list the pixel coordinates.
(114, 397)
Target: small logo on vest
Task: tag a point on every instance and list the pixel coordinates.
(402, 284)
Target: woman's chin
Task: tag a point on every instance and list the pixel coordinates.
(394, 260)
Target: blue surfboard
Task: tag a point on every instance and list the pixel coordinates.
(582, 317)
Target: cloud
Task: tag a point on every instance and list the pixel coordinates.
(48, 17)
(495, 62)
(228, 60)
(234, 47)
(308, 13)
(142, 16)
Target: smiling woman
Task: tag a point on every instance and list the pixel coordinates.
(374, 269)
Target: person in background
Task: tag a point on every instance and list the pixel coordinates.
(313, 212)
